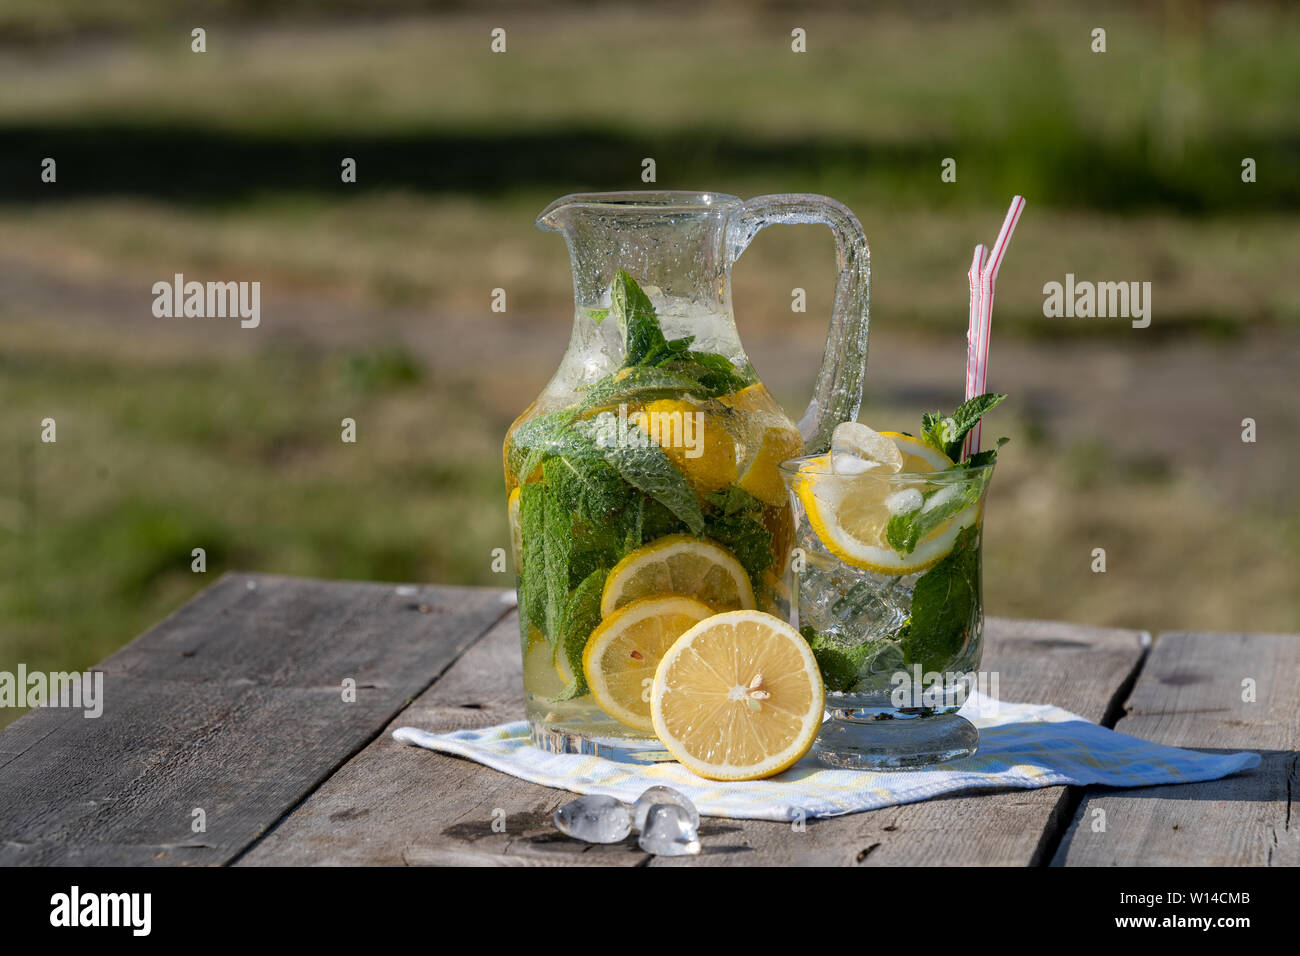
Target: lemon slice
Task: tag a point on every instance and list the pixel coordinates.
(560, 660)
(682, 565)
(850, 515)
(516, 530)
(779, 441)
(738, 697)
(706, 454)
(762, 478)
(918, 457)
(539, 667)
(624, 650)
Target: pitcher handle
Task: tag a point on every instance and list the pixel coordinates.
(837, 394)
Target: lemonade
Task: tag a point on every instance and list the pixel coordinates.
(658, 481)
(886, 584)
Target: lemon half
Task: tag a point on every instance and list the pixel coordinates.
(738, 697)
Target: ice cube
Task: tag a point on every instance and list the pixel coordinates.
(843, 463)
(663, 796)
(851, 606)
(903, 501)
(855, 440)
(942, 496)
(594, 819)
(668, 831)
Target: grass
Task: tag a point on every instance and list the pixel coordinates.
(241, 457)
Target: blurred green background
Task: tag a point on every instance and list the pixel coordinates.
(176, 434)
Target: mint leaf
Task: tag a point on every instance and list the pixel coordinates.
(734, 518)
(904, 530)
(840, 665)
(937, 430)
(745, 537)
(657, 521)
(714, 372)
(735, 500)
(534, 440)
(944, 604)
(557, 548)
(639, 385)
(643, 465)
(594, 496)
(670, 350)
(981, 458)
(532, 579)
(645, 345)
(946, 433)
(584, 485)
(635, 314)
(581, 615)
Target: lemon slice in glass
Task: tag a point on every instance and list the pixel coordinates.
(849, 514)
(624, 650)
(738, 697)
(679, 564)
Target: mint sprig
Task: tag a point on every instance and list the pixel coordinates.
(947, 432)
(646, 346)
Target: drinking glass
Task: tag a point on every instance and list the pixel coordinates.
(885, 584)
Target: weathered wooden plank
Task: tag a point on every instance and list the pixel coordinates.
(1191, 694)
(393, 804)
(234, 705)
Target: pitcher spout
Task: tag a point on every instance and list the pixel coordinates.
(674, 241)
(559, 215)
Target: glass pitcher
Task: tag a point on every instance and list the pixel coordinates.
(643, 484)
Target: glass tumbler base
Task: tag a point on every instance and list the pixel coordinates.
(852, 740)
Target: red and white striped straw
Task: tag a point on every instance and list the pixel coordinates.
(973, 330)
(977, 349)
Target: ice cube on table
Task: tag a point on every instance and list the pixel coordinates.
(668, 831)
(665, 796)
(594, 819)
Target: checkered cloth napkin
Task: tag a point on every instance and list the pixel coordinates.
(1023, 746)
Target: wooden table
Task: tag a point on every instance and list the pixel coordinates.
(234, 706)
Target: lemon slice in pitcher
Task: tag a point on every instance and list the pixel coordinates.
(516, 529)
(738, 697)
(625, 649)
(683, 565)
